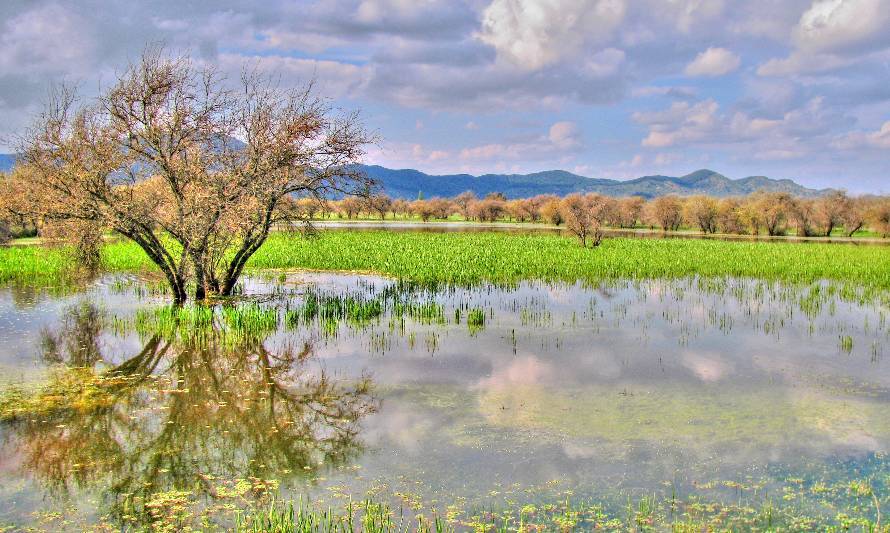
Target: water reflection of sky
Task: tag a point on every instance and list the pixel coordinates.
(626, 385)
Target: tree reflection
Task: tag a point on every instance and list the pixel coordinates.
(186, 412)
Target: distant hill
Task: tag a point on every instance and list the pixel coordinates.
(6, 162)
(408, 183)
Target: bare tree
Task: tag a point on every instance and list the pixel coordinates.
(729, 216)
(379, 204)
(400, 206)
(488, 210)
(585, 216)
(855, 215)
(351, 207)
(550, 212)
(701, 211)
(773, 210)
(831, 210)
(629, 211)
(522, 210)
(423, 209)
(197, 175)
(805, 215)
(879, 215)
(463, 201)
(665, 212)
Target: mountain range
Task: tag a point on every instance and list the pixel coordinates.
(410, 183)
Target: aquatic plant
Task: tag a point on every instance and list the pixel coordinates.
(471, 258)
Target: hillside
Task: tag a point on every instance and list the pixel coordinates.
(408, 183)
(6, 162)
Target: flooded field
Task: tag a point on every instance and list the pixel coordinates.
(453, 401)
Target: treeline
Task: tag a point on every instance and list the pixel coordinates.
(769, 213)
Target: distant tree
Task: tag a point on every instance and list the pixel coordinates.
(17, 216)
(773, 210)
(550, 211)
(585, 216)
(701, 211)
(441, 207)
(487, 210)
(309, 207)
(805, 215)
(522, 210)
(854, 215)
(629, 211)
(380, 204)
(156, 160)
(400, 206)
(423, 209)
(496, 196)
(729, 216)
(462, 201)
(831, 210)
(879, 215)
(351, 207)
(665, 212)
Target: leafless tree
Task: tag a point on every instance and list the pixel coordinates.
(629, 211)
(379, 204)
(879, 215)
(462, 201)
(665, 212)
(550, 212)
(773, 210)
(701, 211)
(195, 174)
(585, 216)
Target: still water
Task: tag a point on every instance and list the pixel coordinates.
(336, 386)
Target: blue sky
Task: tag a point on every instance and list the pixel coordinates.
(605, 88)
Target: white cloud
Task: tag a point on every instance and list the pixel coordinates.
(879, 139)
(713, 62)
(534, 33)
(803, 63)
(832, 25)
(681, 123)
(565, 135)
(332, 78)
(832, 34)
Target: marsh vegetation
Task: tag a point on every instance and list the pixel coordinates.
(381, 404)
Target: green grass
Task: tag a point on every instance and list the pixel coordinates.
(468, 258)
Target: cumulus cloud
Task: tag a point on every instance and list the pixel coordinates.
(562, 139)
(467, 63)
(833, 34)
(713, 62)
(565, 135)
(839, 25)
(682, 122)
(797, 133)
(535, 33)
(879, 139)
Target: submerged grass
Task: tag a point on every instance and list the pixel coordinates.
(469, 258)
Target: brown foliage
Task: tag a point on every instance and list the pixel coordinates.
(665, 212)
(701, 211)
(155, 159)
(585, 216)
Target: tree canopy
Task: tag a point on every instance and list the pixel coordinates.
(193, 167)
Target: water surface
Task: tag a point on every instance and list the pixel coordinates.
(335, 386)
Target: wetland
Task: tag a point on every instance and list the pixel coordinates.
(637, 402)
